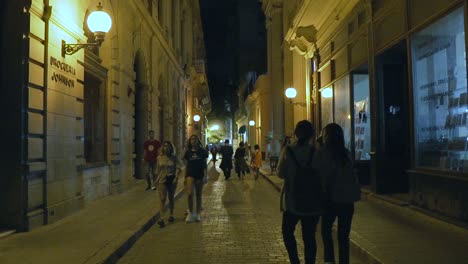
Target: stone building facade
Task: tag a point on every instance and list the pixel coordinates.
(392, 73)
(75, 124)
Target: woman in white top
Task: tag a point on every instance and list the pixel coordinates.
(168, 170)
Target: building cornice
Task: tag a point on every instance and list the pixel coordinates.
(269, 6)
(304, 41)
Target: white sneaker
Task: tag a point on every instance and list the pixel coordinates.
(190, 218)
(198, 218)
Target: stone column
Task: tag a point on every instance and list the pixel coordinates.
(275, 32)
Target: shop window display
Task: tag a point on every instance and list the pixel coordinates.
(342, 108)
(362, 135)
(326, 105)
(440, 95)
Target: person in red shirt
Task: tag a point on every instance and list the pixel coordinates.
(150, 154)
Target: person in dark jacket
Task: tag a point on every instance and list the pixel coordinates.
(334, 164)
(226, 152)
(240, 164)
(302, 150)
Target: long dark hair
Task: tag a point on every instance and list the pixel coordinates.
(172, 151)
(304, 131)
(333, 139)
(189, 145)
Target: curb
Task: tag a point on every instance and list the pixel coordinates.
(128, 243)
(355, 248)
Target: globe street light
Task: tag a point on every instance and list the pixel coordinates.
(291, 93)
(327, 92)
(196, 118)
(99, 22)
(215, 127)
(251, 123)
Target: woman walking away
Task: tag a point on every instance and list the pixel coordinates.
(334, 163)
(168, 170)
(300, 197)
(256, 160)
(196, 175)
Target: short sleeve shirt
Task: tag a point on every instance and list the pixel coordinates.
(196, 162)
(167, 166)
(152, 148)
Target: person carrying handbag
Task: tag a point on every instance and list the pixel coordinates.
(335, 166)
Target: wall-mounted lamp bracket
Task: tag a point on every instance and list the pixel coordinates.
(303, 104)
(69, 49)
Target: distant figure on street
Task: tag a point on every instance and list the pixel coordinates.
(214, 152)
(239, 161)
(334, 163)
(150, 155)
(226, 152)
(256, 161)
(196, 175)
(286, 142)
(168, 170)
(300, 197)
(248, 156)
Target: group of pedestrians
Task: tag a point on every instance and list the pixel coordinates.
(164, 169)
(242, 155)
(318, 182)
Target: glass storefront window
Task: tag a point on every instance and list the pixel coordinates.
(440, 95)
(342, 109)
(326, 105)
(362, 133)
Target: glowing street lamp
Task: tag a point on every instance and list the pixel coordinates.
(251, 123)
(291, 93)
(99, 22)
(327, 92)
(215, 127)
(196, 118)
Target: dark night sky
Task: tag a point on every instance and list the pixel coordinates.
(227, 39)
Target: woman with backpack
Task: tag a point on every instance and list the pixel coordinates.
(300, 197)
(168, 170)
(335, 165)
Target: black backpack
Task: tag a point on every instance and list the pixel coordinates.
(306, 187)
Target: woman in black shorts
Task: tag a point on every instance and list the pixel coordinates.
(168, 169)
(196, 174)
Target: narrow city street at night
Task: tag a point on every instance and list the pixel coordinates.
(241, 224)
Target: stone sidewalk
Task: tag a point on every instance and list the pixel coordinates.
(384, 232)
(99, 233)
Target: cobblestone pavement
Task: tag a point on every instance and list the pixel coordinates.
(241, 224)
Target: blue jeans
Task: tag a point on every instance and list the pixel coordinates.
(309, 225)
(344, 212)
(150, 167)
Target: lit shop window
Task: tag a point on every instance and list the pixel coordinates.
(342, 109)
(440, 95)
(362, 126)
(326, 103)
